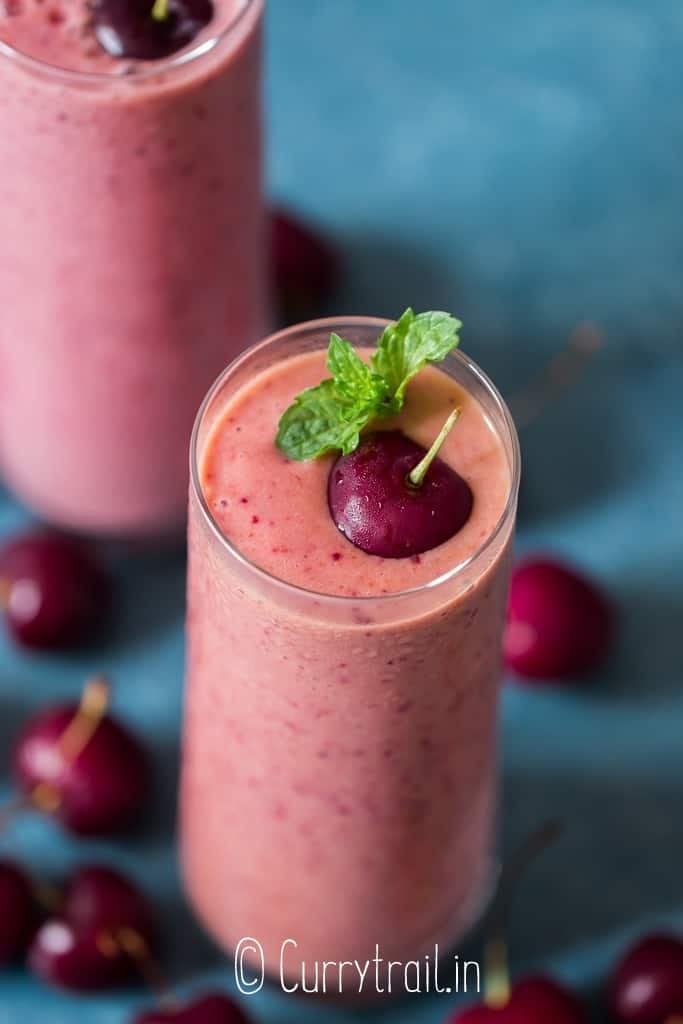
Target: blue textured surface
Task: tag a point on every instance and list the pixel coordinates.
(520, 164)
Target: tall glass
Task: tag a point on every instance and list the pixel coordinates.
(313, 811)
(131, 270)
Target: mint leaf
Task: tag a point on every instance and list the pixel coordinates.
(332, 415)
(353, 378)
(320, 420)
(408, 345)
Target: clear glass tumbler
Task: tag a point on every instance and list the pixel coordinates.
(342, 852)
(131, 269)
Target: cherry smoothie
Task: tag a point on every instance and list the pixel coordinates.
(131, 252)
(339, 769)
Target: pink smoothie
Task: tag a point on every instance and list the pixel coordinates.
(339, 771)
(130, 257)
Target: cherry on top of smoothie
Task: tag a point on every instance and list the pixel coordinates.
(63, 32)
(133, 28)
(275, 511)
(392, 498)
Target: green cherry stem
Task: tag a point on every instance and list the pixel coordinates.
(417, 475)
(497, 970)
(160, 10)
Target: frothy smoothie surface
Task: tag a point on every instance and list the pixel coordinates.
(60, 33)
(275, 511)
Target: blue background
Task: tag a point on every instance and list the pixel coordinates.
(521, 165)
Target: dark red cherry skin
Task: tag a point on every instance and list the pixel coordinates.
(102, 790)
(559, 624)
(305, 266)
(376, 508)
(54, 593)
(100, 897)
(647, 986)
(532, 1001)
(17, 912)
(80, 950)
(127, 29)
(63, 958)
(210, 1009)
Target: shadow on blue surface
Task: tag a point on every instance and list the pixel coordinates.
(384, 273)
(617, 861)
(150, 599)
(648, 610)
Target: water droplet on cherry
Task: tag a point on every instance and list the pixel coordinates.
(100, 791)
(209, 1009)
(88, 947)
(379, 511)
(532, 1001)
(17, 912)
(559, 624)
(647, 985)
(127, 28)
(53, 592)
(305, 266)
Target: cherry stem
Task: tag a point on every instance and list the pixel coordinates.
(76, 737)
(48, 896)
(83, 726)
(498, 987)
(5, 591)
(160, 10)
(133, 944)
(417, 475)
(557, 375)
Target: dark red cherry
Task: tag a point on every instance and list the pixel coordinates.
(99, 897)
(105, 926)
(559, 624)
(100, 791)
(17, 912)
(647, 986)
(145, 30)
(53, 593)
(532, 1001)
(305, 266)
(211, 1009)
(378, 510)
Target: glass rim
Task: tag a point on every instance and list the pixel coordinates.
(140, 71)
(338, 323)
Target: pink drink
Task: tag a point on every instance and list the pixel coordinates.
(130, 257)
(339, 770)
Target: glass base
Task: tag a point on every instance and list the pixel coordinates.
(439, 967)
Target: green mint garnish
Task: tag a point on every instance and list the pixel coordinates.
(332, 415)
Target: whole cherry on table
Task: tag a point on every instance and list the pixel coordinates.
(103, 935)
(81, 765)
(535, 1000)
(53, 592)
(559, 623)
(647, 984)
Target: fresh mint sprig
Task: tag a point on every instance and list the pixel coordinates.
(331, 416)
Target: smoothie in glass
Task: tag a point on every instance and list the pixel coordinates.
(339, 766)
(130, 256)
